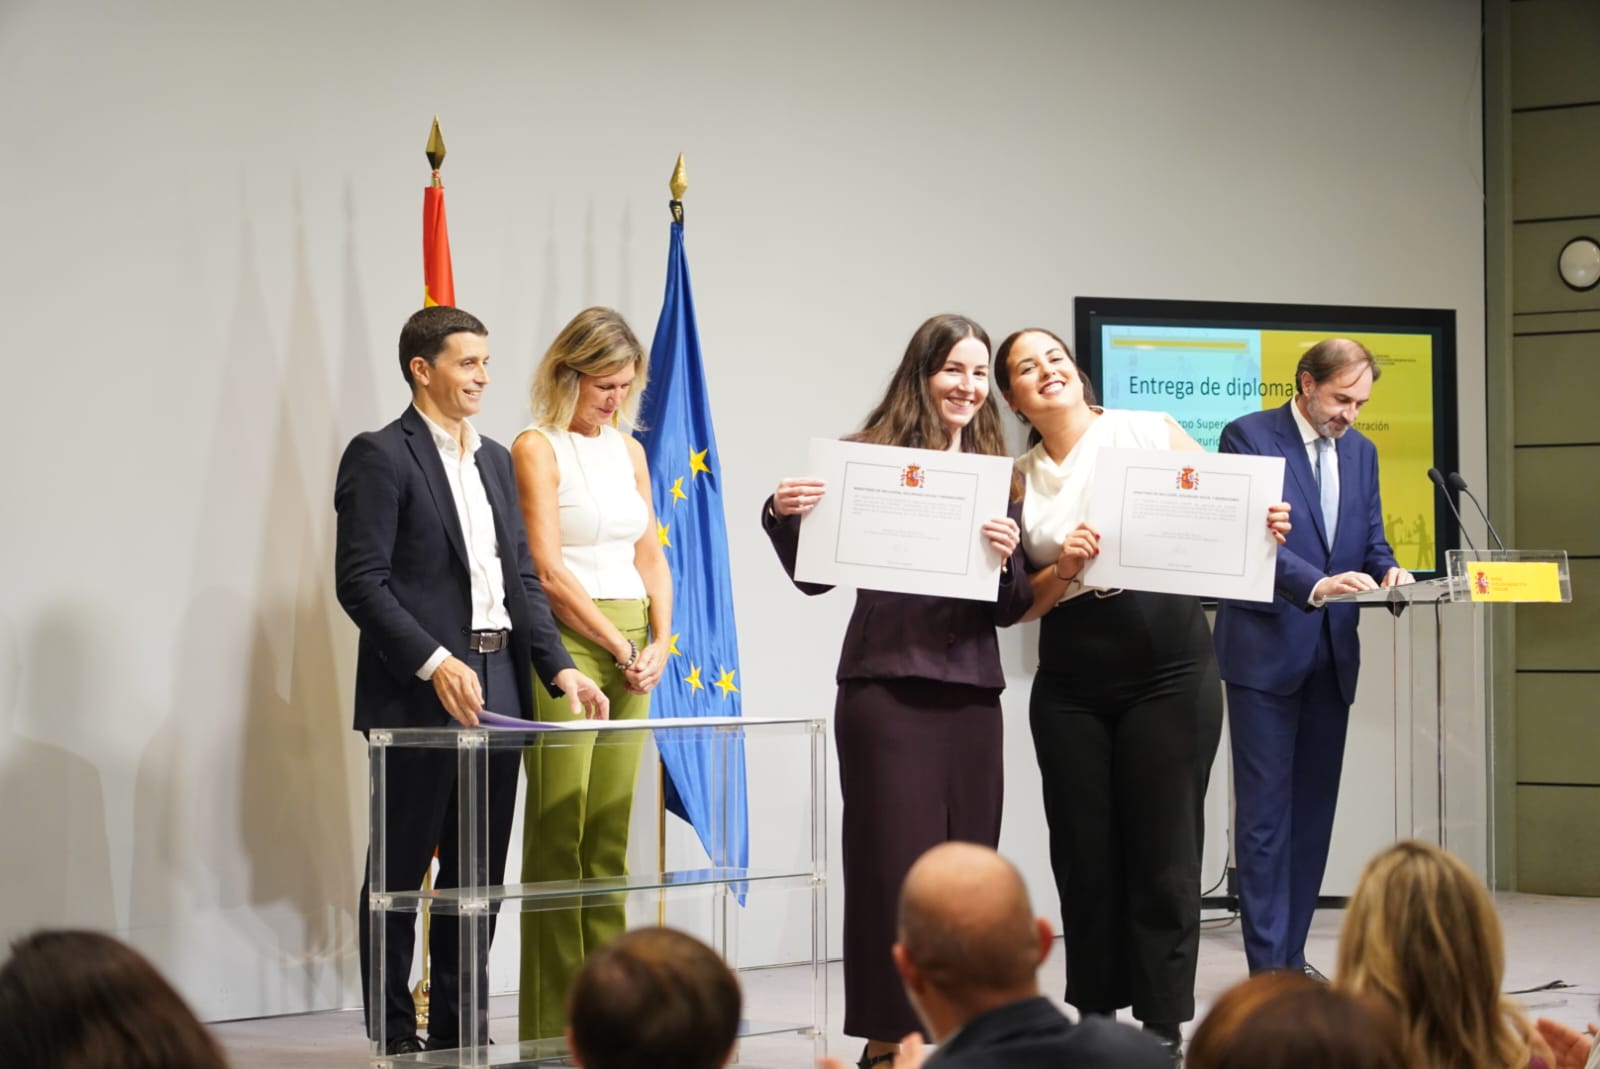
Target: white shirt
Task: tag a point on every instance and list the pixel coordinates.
(477, 529)
(602, 515)
(1309, 436)
(1056, 496)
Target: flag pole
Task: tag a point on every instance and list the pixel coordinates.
(678, 184)
(421, 994)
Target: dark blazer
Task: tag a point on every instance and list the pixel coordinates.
(1271, 647)
(916, 636)
(400, 566)
(1033, 1034)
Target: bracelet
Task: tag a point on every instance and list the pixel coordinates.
(633, 656)
(1068, 579)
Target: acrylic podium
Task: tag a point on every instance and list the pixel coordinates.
(1444, 726)
(787, 759)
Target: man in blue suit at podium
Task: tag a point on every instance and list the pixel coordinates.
(1290, 665)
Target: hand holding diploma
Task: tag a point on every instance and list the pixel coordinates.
(797, 496)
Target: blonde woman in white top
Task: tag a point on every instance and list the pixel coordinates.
(585, 495)
(1126, 708)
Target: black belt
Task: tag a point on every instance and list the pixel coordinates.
(488, 641)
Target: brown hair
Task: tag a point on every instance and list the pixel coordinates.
(82, 1000)
(1421, 936)
(427, 332)
(653, 997)
(907, 415)
(1286, 1020)
(1331, 356)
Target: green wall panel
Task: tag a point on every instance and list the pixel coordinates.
(1558, 505)
(1558, 841)
(1536, 284)
(1555, 384)
(1553, 49)
(1563, 636)
(1555, 156)
(1558, 727)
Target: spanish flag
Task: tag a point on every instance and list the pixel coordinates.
(438, 285)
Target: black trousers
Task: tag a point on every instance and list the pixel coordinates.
(422, 813)
(1126, 713)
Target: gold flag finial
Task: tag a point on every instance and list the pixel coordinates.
(435, 150)
(680, 180)
(679, 185)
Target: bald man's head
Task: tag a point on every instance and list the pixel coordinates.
(966, 924)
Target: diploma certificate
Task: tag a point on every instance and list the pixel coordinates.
(905, 520)
(1180, 522)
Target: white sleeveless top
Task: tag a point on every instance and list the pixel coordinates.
(1056, 496)
(602, 514)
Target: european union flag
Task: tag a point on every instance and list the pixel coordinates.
(702, 673)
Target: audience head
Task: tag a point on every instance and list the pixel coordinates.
(1421, 936)
(968, 938)
(83, 1000)
(427, 334)
(594, 370)
(928, 402)
(653, 997)
(1286, 1020)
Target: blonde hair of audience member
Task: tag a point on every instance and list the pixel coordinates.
(1286, 1020)
(596, 343)
(653, 997)
(1421, 936)
(969, 941)
(82, 1000)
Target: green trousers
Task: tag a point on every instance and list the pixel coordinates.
(575, 824)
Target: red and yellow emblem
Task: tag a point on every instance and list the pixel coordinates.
(1188, 479)
(913, 476)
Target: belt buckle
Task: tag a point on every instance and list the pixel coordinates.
(487, 641)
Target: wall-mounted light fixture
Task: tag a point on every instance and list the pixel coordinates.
(1580, 263)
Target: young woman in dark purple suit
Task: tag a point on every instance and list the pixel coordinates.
(917, 720)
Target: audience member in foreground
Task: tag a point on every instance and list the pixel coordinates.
(1421, 937)
(969, 953)
(1286, 1020)
(82, 1000)
(651, 998)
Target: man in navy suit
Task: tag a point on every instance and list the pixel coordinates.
(432, 564)
(1290, 666)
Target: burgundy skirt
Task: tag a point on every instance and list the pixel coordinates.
(920, 763)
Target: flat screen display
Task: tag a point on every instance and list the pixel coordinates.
(1208, 362)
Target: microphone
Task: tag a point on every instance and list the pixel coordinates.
(1439, 481)
(1458, 483)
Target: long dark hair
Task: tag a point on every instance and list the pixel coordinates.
(1002, 371)
(908, 416)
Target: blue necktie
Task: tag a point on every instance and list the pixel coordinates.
(1328, 484)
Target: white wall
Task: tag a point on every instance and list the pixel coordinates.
(210, 237)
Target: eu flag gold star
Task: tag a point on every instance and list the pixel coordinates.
(725, 684)
(661, 533)
(672, 645)
(677, 491)
(693, 679)
(697, 462)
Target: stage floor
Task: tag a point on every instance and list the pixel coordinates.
(1548, 939)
